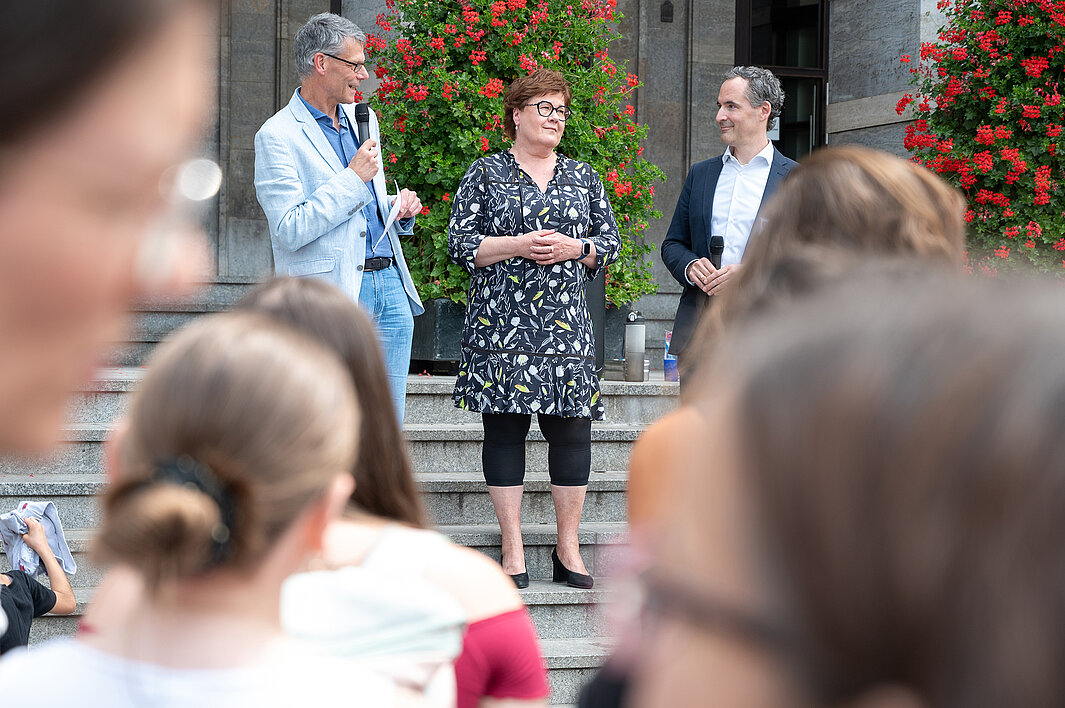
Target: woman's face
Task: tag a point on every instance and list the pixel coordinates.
(534, 129)
(707, 555)
(77, 205)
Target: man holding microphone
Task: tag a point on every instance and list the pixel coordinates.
(721, 198)
(320, 181)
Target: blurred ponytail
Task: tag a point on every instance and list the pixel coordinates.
(239, 425)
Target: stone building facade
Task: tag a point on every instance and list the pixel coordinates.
(840, 56)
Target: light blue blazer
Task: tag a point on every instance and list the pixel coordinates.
(314, 204)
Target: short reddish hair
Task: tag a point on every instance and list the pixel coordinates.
(538, 83)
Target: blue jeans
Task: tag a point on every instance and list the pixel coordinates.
(383, 297)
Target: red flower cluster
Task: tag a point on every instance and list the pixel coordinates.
(417, 92)
(1043, 185)
(493, 88)
(1002, 61)
(1035, 66)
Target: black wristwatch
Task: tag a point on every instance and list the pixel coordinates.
(587, 248)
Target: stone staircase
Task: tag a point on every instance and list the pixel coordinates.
(445, 447)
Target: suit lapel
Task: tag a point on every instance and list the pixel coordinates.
(776, 174)
(314, 133)
(713, 172)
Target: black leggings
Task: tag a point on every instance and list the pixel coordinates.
(569, 448)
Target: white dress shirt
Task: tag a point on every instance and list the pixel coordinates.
(737, 199)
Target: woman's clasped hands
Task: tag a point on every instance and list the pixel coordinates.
(548, 247)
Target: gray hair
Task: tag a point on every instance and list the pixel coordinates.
(325, 32)
(762, 86)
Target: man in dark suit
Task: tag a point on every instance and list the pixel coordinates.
(722, 195)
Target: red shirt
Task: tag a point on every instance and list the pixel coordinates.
(501, 658)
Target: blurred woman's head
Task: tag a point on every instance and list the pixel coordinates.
(839, 207)
(239, 427)
(859, 199)
(384, 479)
(880, 511)
(97, 101)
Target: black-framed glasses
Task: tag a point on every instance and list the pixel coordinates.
(546, 108)
(354, 67)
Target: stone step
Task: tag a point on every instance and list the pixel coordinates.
(462, 498)
(74, 495)
(450, 498)
(434, 448)
(80, 452)
(457, 448)
(602, 544)
(559, 612)
(571, 663)
(212, 297)
(640, 403)
(154, 320)
(428, 399)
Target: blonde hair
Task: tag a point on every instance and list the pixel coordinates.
(267, 414)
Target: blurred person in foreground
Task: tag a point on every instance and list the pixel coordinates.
(221, 487)
(532, 226)
(85, 230)
(876, 520)
(839, 208)
(440, 619)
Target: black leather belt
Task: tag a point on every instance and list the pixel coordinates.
(377, 263)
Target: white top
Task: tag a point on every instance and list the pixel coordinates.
(737, 199)
(385, 613)
(66, 672)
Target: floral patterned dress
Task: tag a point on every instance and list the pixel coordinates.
(527, 342)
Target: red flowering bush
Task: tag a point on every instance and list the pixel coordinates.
(989, 117)
(443, 69)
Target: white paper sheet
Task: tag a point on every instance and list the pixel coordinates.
(393, 214)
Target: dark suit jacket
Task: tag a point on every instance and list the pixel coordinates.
(688, 237)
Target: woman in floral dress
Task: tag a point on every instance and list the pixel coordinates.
(532, 227)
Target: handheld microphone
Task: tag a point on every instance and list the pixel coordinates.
(717, 247)
(362, 121)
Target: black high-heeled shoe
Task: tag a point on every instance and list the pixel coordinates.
(562, 574)
(521, 580)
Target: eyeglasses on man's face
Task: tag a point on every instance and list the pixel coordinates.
(356, 68)
(546, 108)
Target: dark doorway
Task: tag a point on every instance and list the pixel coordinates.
(790, 38)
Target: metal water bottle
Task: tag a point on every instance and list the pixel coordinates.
(635, 346)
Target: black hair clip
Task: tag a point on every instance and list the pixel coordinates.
(188, 472)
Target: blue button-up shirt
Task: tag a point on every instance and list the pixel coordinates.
(345, 144)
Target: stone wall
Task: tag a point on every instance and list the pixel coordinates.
(256, 78)
(866, 78)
